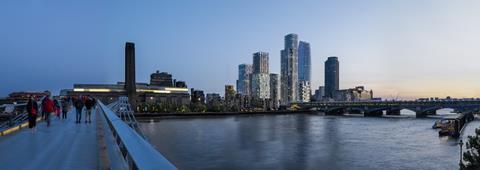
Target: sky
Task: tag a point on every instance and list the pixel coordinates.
(402, 49)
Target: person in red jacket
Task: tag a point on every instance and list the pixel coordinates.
(48, 106)
(32, 110)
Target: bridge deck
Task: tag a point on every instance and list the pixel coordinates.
(63, 145)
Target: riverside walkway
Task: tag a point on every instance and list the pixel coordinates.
(63, 145)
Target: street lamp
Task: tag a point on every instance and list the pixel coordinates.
(461, 153)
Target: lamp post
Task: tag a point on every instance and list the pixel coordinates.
(461, 153)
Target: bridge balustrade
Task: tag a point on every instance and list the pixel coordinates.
(137, 152)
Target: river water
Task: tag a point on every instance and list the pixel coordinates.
(303, 141)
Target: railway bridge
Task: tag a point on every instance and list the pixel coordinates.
(377, 108)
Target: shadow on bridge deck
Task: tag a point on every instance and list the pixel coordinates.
(63, 145)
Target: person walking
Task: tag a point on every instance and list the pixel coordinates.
(89, 103)
(57, 108)
(32, 110)
(65, 108)
(48, 106)
(78, 107)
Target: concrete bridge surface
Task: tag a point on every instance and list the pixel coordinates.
(63, 145)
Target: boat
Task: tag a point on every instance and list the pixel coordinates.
(440, 123)
(453, 127)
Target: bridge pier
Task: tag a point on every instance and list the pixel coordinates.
(376, 113)
(355, 112)
(335, 112)
(393, 112)
(420, 114)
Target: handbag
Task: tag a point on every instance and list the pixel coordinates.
(33, 110)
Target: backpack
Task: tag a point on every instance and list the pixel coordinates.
(32, 109)
(48, 105)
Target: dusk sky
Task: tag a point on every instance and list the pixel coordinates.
(403, 48)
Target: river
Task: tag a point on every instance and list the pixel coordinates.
(303, 141)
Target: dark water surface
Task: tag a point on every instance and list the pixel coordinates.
(303, 141)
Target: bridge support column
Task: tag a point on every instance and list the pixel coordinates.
(420, 114)
(377, 113)
(393, 112)
(335, 112)
(433, 112)
(355, 112)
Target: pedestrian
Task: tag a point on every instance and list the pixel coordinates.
(65, 108)
(78, 107)
(89, 103)
(48, 106)
(57, 108)
(32, 110)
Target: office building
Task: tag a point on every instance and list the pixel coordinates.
(260, 80)
(319, 93)
(260, 62)
(331, 76)
(304, 61)
(213, 99)
(289, 69)
(274, 90)
(304, 91)
(181, 84)
(354, 94)
(243, 82)
(161, 79)
(197, 96)
(260, 86)
(229, 93)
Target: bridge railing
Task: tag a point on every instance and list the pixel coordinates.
(17, 117)
(124, 111)
(136, 151)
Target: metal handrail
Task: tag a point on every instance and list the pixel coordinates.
(19, 121)
(123, 109)
(138, 153)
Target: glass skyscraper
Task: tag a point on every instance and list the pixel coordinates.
(289, 69)
(304, 69)
(260, 62)
(331, 76)
(304, 64)
(243, 82)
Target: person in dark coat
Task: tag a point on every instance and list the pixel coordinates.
(65, 108)
(78, 107)
(57, 108)
(89, 103)
(32, 111)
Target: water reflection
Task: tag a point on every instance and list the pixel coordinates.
(303, 142)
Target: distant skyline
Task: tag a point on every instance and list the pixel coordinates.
(400, 49)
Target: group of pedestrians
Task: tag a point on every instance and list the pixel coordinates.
(50, 106)
(47, 105)
(88, 103)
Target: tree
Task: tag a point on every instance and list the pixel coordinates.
(471, 157)
(183, 109)
(198, 107)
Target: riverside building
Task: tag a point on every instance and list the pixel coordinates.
(289, 69)
(243, 82)
(332, 76)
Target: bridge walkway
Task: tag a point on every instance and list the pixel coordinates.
(63, 145)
